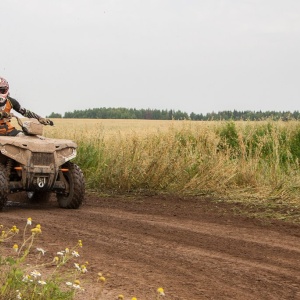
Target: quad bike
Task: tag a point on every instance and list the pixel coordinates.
(40, 166)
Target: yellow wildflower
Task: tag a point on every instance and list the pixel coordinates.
(120, 297)
(83, 269)
(15, 247)
(79, 243)
(14, 229)
(55, 259)
(27, 278)
(102, 279)
(37, 229)
(75, 253)
(76, 281)
(134, 298)
(161, 291)
(29, 221)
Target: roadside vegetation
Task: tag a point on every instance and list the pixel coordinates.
(39, 277)
(253, 162)
(31, 272)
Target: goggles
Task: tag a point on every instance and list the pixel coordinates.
(3, 90)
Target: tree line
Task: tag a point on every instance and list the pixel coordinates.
(156, 114)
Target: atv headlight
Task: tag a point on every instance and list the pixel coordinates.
(66, 154)
(16, 153)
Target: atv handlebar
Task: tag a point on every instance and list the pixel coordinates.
(32, 129)
(42, 121)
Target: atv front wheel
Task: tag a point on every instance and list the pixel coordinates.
(74, 178)
(3, 187)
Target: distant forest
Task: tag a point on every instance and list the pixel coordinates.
(156, 114)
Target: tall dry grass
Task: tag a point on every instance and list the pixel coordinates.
(250, 159)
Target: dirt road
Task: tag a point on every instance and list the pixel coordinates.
(193, 248)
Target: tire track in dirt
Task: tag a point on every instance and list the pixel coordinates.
(187, 247)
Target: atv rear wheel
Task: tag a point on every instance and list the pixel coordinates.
(75, 179)
(3, 187)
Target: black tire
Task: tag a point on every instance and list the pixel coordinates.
(76, 182)
(3, 187)
(39, 196)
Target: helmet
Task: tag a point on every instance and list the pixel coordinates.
(4, 88)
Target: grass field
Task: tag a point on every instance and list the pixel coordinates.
(245, 161)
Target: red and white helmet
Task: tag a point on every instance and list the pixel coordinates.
(4, 90)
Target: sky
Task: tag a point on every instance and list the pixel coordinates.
(196, 56)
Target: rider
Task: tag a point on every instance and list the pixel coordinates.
(6, 104)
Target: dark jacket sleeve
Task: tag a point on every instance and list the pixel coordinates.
(23, 111)
(15, 104)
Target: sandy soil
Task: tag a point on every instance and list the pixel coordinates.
(193, 248)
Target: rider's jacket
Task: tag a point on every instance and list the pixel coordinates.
(5, 125)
